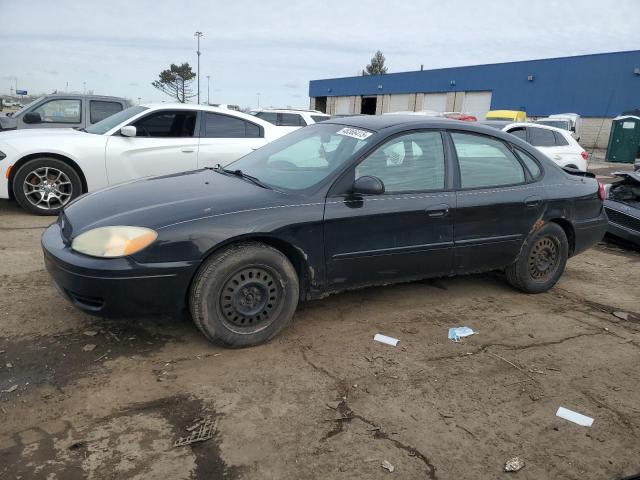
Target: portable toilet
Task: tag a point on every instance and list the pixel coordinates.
(624, 140)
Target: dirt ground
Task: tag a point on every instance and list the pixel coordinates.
(323, 400)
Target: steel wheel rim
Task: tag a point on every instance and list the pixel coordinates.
(250, 299)
(47, 188)
(544, 259)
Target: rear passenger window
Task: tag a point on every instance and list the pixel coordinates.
(541, 137)
(521, 133)
(290, 120)
(270, 117)
(485, 162)
(99, 110)
(530, 163)
(226, 126)
(319, 118)
(560, 140)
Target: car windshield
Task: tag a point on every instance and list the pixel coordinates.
(108, 123)
(27, 106)
(304, 158)
(555, 123)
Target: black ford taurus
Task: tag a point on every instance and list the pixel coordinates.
(337, 205)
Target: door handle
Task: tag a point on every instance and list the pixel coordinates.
(532, 202)
(440, 210)
(187, 150)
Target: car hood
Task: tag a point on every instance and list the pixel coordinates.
(633, 176)
(157, 202)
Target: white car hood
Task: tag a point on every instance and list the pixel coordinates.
(37, 132)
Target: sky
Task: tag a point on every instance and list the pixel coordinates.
(268, 50)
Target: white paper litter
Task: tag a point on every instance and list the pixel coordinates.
(574, 417)
(384, 339)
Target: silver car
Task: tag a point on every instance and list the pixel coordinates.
(63, 111)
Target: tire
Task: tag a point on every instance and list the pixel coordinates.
(45, 185)
(541, 261)
(244, 295)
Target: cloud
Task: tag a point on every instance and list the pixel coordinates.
(262, 47)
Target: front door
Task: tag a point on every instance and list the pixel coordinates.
(498, 203)
(165, 143)
(405, 233)
(225, 138)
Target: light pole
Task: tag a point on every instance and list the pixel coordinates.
(258, 99)
(139, 99)
(208, 102)
(84, 88)
(198, 35)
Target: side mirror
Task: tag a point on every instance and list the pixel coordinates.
(368, 185)
(32, 117)
(128, 131)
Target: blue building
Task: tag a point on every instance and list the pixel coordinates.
(598, 87)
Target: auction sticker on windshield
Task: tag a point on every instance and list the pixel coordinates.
(355, 133)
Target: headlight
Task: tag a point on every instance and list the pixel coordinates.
(117, 241)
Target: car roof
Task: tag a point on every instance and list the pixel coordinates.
(289, 110)
(80, 95)
(206, 108)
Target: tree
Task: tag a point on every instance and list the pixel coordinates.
(176, 82)
(376, 67)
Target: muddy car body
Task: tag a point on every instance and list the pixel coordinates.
(342, 204)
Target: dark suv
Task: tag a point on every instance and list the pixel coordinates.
(64, 111)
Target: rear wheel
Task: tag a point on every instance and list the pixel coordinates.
(542, 260)
(45, 185)
(244, 295)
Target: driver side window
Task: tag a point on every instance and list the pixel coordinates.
(408, 163)
(167, 124)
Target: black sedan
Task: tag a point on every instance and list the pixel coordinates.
(342, 204)
(623, 207)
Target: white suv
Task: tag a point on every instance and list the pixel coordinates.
(290, 119)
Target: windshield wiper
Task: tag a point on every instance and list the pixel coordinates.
(241, 174)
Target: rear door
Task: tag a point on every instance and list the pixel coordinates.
(545, 140)
(166, 142)
(225, 138)
(404, 233)
(498, 202)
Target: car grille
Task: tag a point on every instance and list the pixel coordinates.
(623, 220)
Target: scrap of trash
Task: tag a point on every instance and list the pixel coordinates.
(514, 464)
(384, 339)
(456, 333)
(201, 431)
(574, 417)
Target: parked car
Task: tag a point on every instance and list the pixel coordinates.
(342, 204)
(556, 143)
(566, 121)
(509, 115)
(623, 206)
(290, 119)
(63, 111)
(45, 169)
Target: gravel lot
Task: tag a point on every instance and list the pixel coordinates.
(323, 400)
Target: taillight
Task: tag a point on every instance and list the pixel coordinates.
(601, 191)
(584, 155)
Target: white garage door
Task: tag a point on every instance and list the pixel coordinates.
(477, 104)
(343, 105)
(435, 101)
(400, 103)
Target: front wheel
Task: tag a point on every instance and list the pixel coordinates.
(244, 295)
(45, 185)
(541, 261)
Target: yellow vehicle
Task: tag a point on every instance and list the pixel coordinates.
(511, 115)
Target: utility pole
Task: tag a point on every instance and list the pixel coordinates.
(208, 102)
(84, 88)
(258, 99)
(198, 35)
(139, 99)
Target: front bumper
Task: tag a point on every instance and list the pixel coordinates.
(589, 232)
(117, 287)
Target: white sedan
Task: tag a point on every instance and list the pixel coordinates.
(555, 143)
(44, 169)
